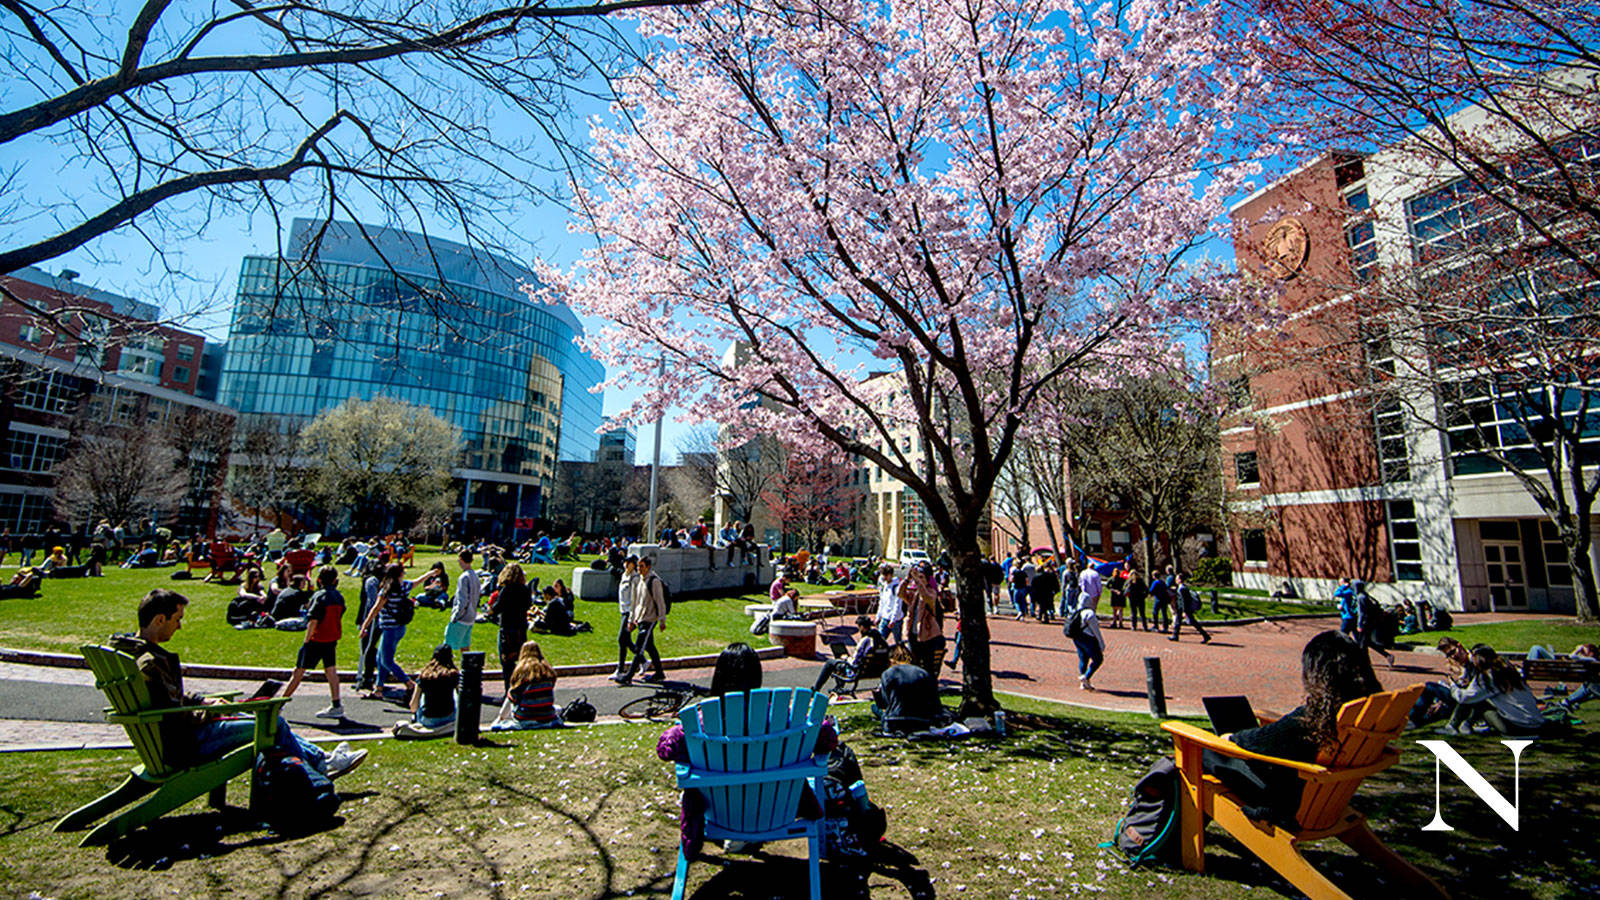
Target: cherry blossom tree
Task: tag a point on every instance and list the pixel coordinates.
(910, 218)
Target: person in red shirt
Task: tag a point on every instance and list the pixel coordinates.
(325, 615)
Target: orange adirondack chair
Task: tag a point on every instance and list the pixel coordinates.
(1366, 727)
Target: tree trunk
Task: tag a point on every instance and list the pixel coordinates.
(1579, 545)
(977, 688)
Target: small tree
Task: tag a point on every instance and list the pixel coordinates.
(812, 497)
(379, 460)
(118, 473)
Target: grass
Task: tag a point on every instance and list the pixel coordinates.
(71, 612)
(592, 813)
(1513, 637)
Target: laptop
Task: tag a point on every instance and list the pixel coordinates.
(1230, 714)
(267, 690)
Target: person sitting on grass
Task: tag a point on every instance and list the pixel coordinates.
(143, 558)
(433, 587)
(738, 669)
(433, 704)
(290, 603)
(325, 617)
(555, 614)
(197, 736)
(1589, 689)
(907, 696)
(1496, 695)
(531, 702)
(1334, 670)
(1436, 700)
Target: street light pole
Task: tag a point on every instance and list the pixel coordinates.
(655, 468)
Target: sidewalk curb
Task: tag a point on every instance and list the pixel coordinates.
(247, 673)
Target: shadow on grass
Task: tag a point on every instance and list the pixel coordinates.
(760, 874)
(198, 836)
(1551, 854)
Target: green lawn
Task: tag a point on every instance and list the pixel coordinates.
(70, 612)
(592, 813)
(1513, 637)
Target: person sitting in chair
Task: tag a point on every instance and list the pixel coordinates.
(1334, 670)
(738, 669)
(198, 737)
(863, 660)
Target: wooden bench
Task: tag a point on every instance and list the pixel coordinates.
(1565, 668)
(173, 782)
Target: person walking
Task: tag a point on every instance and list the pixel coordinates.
(1161, 607)
(1042, 591)
(649, 613)
(1083, 628)
(1369, 621)
(1020, 575)
(391, 613)
(625, 593)
(1349, 611)
(1185, 604)
(1090, 587)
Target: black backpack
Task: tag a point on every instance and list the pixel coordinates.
(1148, 830)
(1074, 626)
(292, 796)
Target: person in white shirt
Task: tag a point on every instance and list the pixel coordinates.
(625, 594)
(891, 611)
(1089, 588)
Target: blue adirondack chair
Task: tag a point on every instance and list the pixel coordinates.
(751, 756)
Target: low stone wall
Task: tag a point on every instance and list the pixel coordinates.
(688, 572)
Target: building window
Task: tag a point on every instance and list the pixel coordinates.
(1121, 540)
(186, 352)
(1245, 469)
(180, 374)
(1405, 547)
(1393, 457)
(28, 334)
(1255, 545)
(1557, 569)
(1363, 244)
(1091, 538)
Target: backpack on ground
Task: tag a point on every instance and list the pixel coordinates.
(579, 711)
(1147, 832)
(293, 796)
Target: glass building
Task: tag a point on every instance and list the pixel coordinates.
(382, 312)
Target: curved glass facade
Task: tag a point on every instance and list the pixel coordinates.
(395, 314)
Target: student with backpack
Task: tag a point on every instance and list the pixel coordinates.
(649, 613)
(391, 614)
(1185, 604)
(1018, 578)
(325, 615)
(1369, 619)
(1083, 628)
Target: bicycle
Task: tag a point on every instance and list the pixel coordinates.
(663, 704)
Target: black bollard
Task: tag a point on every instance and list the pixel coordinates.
(1214, 608)
(1153, 687)
(470, 699)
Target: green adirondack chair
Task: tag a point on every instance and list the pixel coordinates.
(173, 785)
(751, 756)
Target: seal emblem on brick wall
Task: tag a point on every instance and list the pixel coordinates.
(1286, 247)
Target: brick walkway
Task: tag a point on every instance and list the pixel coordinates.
(1261, 660)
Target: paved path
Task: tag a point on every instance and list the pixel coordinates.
(53, 707)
